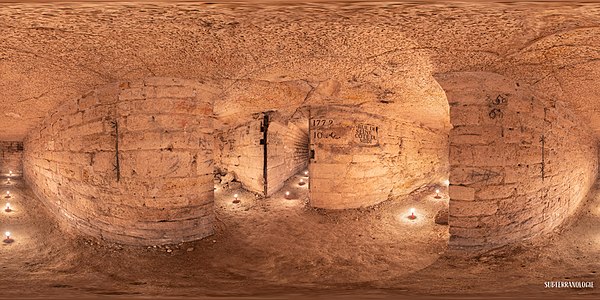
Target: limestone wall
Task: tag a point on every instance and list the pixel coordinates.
(162, 191)
(11, 158)
(361, 159)
(238, 150)
(287, 152)
(520, 164)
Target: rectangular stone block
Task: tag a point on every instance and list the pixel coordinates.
(463, 193)
(472, 208)
(466, 115)
(497, 191)
(138, 122)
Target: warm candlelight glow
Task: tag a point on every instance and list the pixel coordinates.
(305, 173)
(301, 182)
(235, 196)
(7, 194)
(437, 194)
(412, 214)
(288, 195)
(236, 200)
(7, 234)
(446, 182)
(7, 209)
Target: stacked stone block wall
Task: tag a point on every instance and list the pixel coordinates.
(520, 163)
(238, 150)
(287, 153)
(362, 159)
(162, 189)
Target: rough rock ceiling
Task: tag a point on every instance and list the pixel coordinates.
(54, 52)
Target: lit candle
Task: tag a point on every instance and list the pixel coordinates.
(7, 209)
(7, 194)
(287, 195)
(235, 198)
(437, 194)
(10, 173)
(412, 214)
(7, 235)
(301, 182)
(305, 173)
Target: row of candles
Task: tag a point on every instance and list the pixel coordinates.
(412, 210)
(288, 195)
(8, 209)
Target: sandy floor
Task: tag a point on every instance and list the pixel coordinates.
(279, 248)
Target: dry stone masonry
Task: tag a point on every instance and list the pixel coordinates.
(360, 159)
(263, 152)
(520, 163)
(134, 161)
(287, 150)
(130, 162)
(238, 151)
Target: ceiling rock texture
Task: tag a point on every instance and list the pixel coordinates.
(388, 69)
(53, 52)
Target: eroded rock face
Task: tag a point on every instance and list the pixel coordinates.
(51, 53)
(441, 217)
(161, 188)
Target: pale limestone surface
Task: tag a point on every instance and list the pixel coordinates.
(160, 192)
(373, 64)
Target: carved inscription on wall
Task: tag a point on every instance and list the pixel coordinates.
(324, 129)
(344, 131)
(366, 134)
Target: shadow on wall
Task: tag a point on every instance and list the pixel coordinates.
(11, 158)
(264, 151)
(520, 163)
